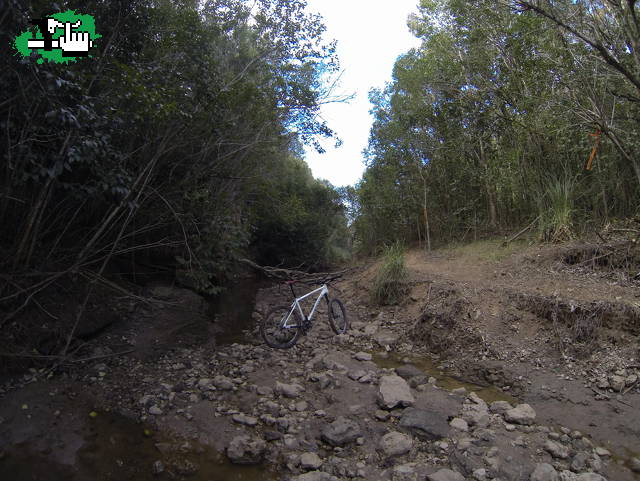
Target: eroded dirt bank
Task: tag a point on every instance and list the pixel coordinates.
(519, 369)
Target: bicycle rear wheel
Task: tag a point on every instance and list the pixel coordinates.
(338, 316)
(273, 331)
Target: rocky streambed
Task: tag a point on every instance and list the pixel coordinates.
(356, 406)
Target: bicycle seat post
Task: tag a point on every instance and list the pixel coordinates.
(292, 291)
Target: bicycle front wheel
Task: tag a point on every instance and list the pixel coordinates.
(338, 316)
(280, 328)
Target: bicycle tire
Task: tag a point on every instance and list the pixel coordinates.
(273, 335)
(337, 316)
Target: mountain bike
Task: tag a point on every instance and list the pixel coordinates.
(282, 325)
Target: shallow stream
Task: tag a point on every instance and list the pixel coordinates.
(443, 379)
(116, 448)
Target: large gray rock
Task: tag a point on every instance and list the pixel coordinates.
(223, 382)
(407, 371)
(445, 475)
(544, 472)
(288, 390)
(385, 337)
(475, 411)
(310, 461)
(459, 424)
(500, 407)
(425, 424)
(363, 356)
(521, 414)
(557, 450)
(580, 462)
(394, 391)
(341, 431)
(567, 476)
(404, 472)
(246, 450)
(242, 418)
(617, 383)
(334, 362)
(395, 444)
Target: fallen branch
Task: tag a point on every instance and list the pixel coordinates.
(634, 231)
(608, 398)
(28, 356)
(104, 356)
(292, 274)
(506, 242)
(630, 388)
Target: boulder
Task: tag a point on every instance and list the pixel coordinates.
(363, 356)
(394, 391)
(310, 461)
(475, 412)
(445, 475)
(407, 371)
(288, 390)
(340, 432)
(223, 383)
(617, 383)
(544, 472)
(244, 419)
(500, 407)
(479, 474)
(357, 374)
(521, 414)
(385, 337)
(246, 450)
(459, 424)
(395, 444)
(425, 424)
(404, 472)
(557, 450)
(567, 475)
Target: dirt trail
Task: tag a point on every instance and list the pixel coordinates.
(424, 390)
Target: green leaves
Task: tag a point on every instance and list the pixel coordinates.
(476, 122)
(173, 147)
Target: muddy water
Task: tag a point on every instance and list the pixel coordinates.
(118, 449)
(115, 448)
(443, 379)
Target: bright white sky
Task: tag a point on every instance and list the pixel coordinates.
(371, 34)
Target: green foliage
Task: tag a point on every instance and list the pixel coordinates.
(299, 221)
(175, 146)
(476, 123)
(390, 284)
(557, 211)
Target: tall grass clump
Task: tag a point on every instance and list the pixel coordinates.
(390, 283)
(556, 207)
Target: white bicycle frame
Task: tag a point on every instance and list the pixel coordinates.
(296, 303)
